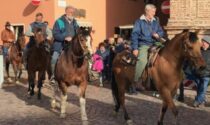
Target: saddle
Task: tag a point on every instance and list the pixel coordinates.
(152, 55)
(130, 59)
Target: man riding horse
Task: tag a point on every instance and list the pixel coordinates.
(8, 37)
(38, 24)
(147, 32)
(63, 31)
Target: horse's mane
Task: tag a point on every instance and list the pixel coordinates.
(72, 49)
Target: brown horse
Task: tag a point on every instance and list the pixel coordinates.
(15, 57)
(166, 71)
(38, 60)
(72, 69)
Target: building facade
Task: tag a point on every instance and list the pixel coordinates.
(102, 15)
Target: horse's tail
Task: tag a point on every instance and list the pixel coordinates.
(115, 91)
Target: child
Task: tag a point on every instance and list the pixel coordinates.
(98, 66)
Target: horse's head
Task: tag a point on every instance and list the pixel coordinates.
(39, 36)
(192, 49)
(84, 38)
(21, 41)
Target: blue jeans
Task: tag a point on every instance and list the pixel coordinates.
(5, 51)
(202, 86)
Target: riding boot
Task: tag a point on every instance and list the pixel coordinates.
(181, 95)
(132, 90)
(139, 86)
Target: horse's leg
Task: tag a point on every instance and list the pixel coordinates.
(7, 69)
(64, 96)
(20, 70)
(167, 97)
(82, 89)
(55, 91)
(15, 69)
(162, 113)
(122, 102)
(40, 82)
(31, 79)
(115, 93)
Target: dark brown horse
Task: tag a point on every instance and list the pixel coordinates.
(72, 69)
(166, 71)
(38, 60)
(15, 57)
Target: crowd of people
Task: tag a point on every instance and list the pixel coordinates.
(147, 32)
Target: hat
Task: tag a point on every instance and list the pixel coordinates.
(39, 14)
(206, 39)
(7, 24)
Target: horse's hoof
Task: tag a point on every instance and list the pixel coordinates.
(53, 104)
(17, 82)
(129, 122)
(84, 118)
(39, 97)
(115, 114)
(160, 123)
(29, 96)
(9, 79)
(85, 122)
(63, 115)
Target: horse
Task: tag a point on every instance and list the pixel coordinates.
(15, 57)
(38, 60)
(166, 72)
(72, 69)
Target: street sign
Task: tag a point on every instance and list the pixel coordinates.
(36, 2)
(165, 7)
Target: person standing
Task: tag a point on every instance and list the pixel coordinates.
(203, 75)
(7, 37)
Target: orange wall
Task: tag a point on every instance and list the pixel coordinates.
(104, 15)
(23, 12)
(122, 12)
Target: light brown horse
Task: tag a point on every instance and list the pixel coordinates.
(15, 57)
(166, 71)
(72, 69)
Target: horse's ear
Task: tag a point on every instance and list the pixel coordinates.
(78, 31)
(197, 31)
(185, 30)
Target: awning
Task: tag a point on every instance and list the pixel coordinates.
(84, 24)
(130, 26)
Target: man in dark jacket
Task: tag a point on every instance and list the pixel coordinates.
(203, 75)
(63, 31)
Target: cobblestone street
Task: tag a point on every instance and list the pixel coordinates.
(16, 109)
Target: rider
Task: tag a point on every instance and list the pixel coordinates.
(64, 30)
(147, 32)
(38, 24)
(7, 36)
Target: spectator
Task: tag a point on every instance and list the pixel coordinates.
(7, 37)
(98, 67)
(102, 51)
(203, 75)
